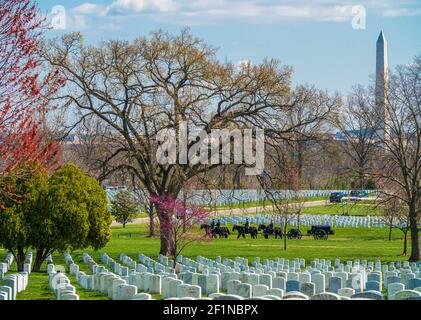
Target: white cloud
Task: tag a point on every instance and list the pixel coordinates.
(402, 12)
(88, 8)
(196, 12)
(77, 22)
(140, 6)
(110, 27)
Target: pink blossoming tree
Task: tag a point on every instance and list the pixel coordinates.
(181, 229)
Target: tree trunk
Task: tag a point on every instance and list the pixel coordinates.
(415, 240)
(300, 161)
(361, 178)
(390, 233)
(184, 217)
(165, 243)
(39, 260)
(285, 237)
(164, 231)
(174, 251)
(151, 221)
(237, 180)
(20, 259)
(405, 243)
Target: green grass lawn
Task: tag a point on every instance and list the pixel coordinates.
(38, 288)
(38, 285)
(347, 244)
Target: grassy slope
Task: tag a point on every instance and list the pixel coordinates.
(347, 243)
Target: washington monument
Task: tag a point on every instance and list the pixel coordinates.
(381, 81)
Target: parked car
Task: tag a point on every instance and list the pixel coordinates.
(356, 195)
(336, 197)
(359, 194)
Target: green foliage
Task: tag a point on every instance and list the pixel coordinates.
(64, 212)
(16, 215)
(78, 208)
(99, 215)
(124, 207)
(67, 210)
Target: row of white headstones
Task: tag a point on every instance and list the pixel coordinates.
(18, 282)
(13, 283)
(307, 220)
(60, 284)
(234, 279)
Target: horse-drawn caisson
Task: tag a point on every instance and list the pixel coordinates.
(294, 234)
(214, 230)
(320, 232)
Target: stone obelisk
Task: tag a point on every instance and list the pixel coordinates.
(381, 82)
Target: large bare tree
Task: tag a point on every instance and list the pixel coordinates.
(284, 207)
(395, 215)
(358, 142)
(399, 137)
(137, 89)
(284, 163)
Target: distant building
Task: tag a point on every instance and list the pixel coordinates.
(349, 134)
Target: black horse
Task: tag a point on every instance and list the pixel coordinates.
(242, 231)
(209, 231)
(222, 232)
(277, 232)
(214, 232)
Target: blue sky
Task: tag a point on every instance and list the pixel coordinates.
(315, 37)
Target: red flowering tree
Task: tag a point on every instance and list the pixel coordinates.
(181, 229)
(25, 91)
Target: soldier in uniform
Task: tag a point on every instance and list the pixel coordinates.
(247, 225)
